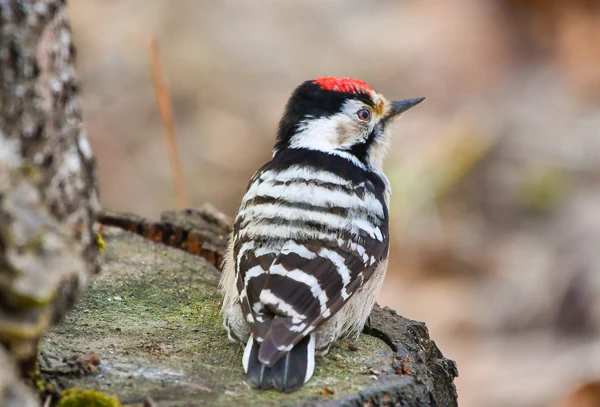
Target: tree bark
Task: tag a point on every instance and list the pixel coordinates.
(48, 195)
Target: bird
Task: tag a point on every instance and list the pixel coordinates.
(309, 248)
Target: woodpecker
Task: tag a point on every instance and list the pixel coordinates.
(310, 243)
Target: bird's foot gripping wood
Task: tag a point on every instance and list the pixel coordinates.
(288, 374)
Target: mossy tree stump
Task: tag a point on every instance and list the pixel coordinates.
(152, 319)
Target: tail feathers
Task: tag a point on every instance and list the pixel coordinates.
(288, 374)
(278, 340)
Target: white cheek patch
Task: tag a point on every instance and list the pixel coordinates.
(323, 135)
(335, 133)
(317, 134)
(328, 133)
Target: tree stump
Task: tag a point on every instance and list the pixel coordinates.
(151, 319)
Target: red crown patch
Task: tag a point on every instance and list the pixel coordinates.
(346, 85)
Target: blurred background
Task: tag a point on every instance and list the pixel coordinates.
(496, 178)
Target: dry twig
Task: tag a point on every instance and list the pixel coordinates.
(166, 114)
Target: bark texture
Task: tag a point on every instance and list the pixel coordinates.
(48, 196)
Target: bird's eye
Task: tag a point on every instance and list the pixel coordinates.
(364, 114)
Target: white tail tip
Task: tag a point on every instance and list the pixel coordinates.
(310, 358)
(247, 351)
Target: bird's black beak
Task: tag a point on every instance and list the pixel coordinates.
(401, 107)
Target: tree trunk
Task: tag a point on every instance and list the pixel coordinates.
(48, 195)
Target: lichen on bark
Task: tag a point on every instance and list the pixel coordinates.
(48, 195)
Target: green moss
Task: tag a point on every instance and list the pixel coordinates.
(153, 316)
(36, 379)
(87, 398)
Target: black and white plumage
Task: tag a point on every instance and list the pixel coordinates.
(310, 242)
